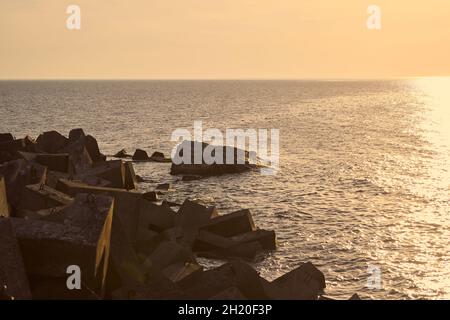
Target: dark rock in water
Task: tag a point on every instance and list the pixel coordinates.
(122, 154)
(355, 297)
(163, 186)
(140, 155)
(232, 224)
(93, 149)
(304, 283)
(189, 159)
(5, 137)
(157, 155)
(4, 206)
(51, 142)
(13, 278)
(150, 196)
(18, 174)
(139, 178)
(190, 178)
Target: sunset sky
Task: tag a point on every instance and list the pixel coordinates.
(223, 39)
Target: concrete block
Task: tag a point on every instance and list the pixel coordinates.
(4, 206)
(5, 137)
(167, 253)
(13, 277)
(231, 224)
(267, 239)
(39, 196)
(51, 141)
(140, 155)
(180, 270)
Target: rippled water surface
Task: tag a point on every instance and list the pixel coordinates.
(364, 180)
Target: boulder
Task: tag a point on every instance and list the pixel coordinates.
(13, 278)
(159, 157)
(18, 174)
(303, 283)
(232, 224)
(185, 162)
(140, 155)
(4, 206)
(39, 196)
(122, 154)
(51, 142)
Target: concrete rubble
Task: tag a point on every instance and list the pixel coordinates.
(62, 204)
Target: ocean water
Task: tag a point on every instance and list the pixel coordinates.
(363, 185)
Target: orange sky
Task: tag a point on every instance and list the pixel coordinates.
(223, 39)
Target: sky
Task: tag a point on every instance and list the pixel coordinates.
(223, 39)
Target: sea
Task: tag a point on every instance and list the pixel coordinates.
(363, 186)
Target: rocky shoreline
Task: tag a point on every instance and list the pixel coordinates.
(63, 203)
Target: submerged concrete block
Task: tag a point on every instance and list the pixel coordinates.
(231, 224)
(13, 277)
(4, 206)
(303, 283)
(140, 155)
(267, 239)
(39, 196)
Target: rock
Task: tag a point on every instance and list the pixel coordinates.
(159, 157)
(355, 297)
(210, 283)
(267, 239)
(39, 196)
(140, 155)
(13, 278)
(51, 142)
(232, 224)
(6, 137)
(77, 149)
(150, 196)
(157, 154)
(184, 161)
(163, 186)
(4, 206)
(122, 154)
(139, 178)
(232, 293)
(303, 283)
(181, 270)
(18, 174)
(190, 178)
